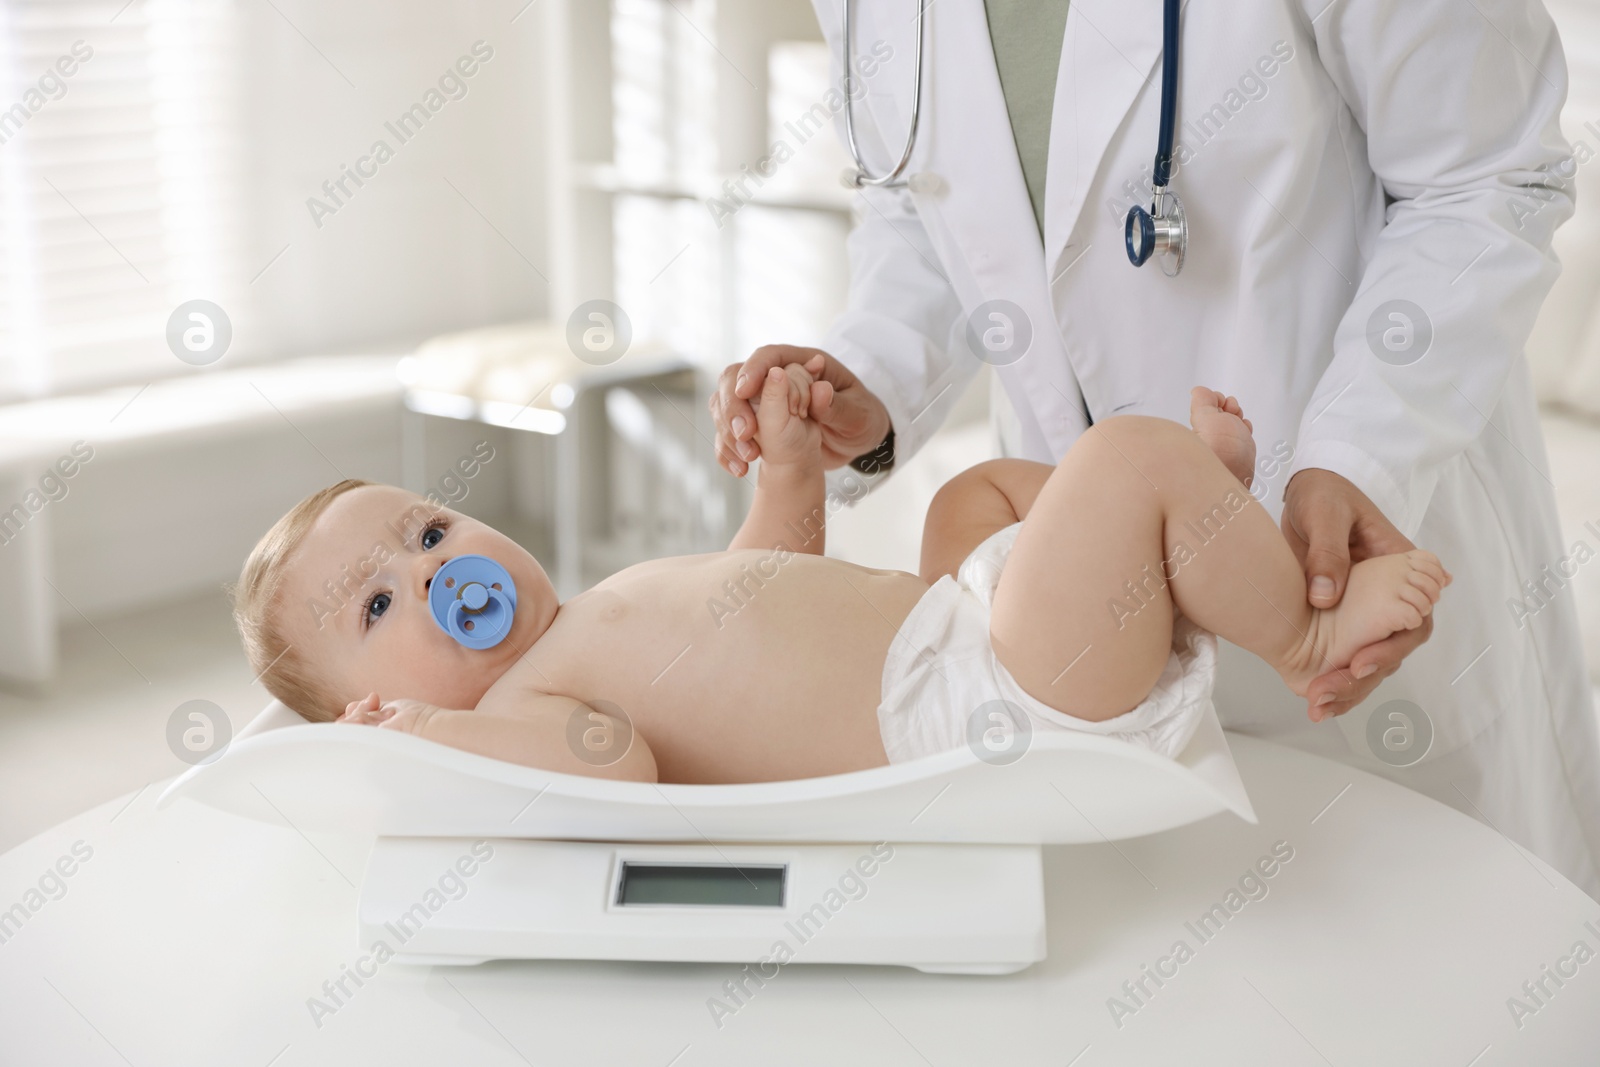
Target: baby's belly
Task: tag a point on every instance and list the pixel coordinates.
(733, 667)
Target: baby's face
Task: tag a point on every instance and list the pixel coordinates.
(372, 632)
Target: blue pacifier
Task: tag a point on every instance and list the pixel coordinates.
(472, 598)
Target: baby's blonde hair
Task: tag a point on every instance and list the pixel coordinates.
(284, 670)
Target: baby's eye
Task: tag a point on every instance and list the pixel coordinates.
(439, 528)
(375, 607)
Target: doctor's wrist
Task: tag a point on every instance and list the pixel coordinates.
(879, 459)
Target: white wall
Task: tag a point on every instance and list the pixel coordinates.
(405, 257)
(145, 523)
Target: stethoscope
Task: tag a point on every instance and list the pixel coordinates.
(860, 177)
(1162, 231)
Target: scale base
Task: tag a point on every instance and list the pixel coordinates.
(944, 909)
(415, 960)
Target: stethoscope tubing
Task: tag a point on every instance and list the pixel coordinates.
(1169, 93)
(862, 176)
(1166, 210)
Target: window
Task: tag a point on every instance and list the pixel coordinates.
(119, 185)
(717, 248)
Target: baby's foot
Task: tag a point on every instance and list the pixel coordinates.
(1220, 422)
(1383, 595)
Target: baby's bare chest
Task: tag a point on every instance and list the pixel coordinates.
(719, 628)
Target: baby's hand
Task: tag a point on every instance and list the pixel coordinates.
(404, 715)
(785, 430)
(365, 712)
(1220, 422)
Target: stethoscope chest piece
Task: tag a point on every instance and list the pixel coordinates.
(473, 599)
(1163, 231)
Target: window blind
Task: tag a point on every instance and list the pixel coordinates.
(119, 185)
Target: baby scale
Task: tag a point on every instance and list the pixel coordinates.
(933, 863)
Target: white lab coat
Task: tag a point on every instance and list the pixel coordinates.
(1333, 156)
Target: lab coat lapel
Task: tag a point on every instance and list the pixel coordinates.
(1111, 52)
(987, 211)
(970, 146)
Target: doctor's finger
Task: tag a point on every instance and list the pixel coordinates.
(733, 419)
(747, 381)
(724, 445)
(1335, 693)
(1377, 661)
(1368, 667)
(733, 415)
(1374, 535)
(730, 462)
(1324, 524)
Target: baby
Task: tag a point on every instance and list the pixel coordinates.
(1080, 596)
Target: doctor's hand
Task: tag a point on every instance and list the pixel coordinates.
(1330, 524)
(853, 423)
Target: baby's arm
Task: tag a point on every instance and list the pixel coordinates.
(788, 508)
(534, 735)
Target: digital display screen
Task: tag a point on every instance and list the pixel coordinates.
(717, 885)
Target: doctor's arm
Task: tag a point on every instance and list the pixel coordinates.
(890, 356)
(1453, 281)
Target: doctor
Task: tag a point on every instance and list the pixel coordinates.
(1371, 187)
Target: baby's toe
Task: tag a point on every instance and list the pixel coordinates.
(1405, 610)
(1422, 562)
(1419, 599)
(1425, 560)
(1202, 402)
(1425, 582)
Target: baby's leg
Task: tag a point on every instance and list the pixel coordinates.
(982, 500)
(1141, 517)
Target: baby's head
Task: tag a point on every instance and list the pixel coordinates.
(332, 603)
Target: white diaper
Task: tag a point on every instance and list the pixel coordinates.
(941, 670)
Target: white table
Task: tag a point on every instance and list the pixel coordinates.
(1395, 935)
